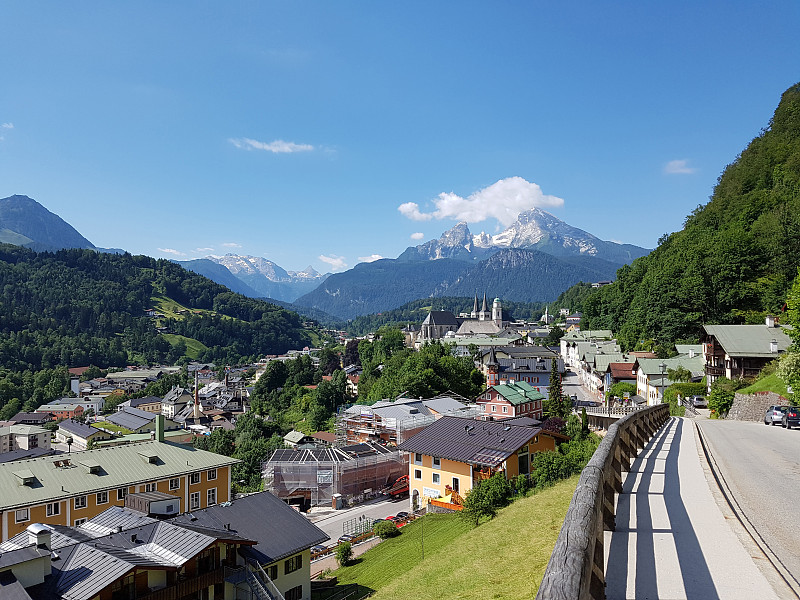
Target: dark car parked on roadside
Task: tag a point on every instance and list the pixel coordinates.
(791, 417)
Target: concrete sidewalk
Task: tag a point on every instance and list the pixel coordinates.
(672, 540)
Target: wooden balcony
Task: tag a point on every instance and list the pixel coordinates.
(189, 586)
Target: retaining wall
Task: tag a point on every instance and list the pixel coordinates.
(751, 407)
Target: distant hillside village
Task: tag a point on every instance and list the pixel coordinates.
(116, 471)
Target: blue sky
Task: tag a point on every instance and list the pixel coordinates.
(296, 130)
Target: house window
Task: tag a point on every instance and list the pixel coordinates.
(291, 565)
(79, 522)
(33, 441)
(22, 515)
(174, 483)
(494, 408)
(102, 497)
(296, 593)
(455, 485)
(437, 462)
(272, 572)
(211, 497)
(194, 500)
(211, 474)
(194, 478)
(417, 474)
(417, 458)
(121, 493)
(505, 409)
(436, 478)
(53, 509)
(485, 408)
(80, 502)
(150, 487)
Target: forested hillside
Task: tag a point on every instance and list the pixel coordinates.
(735, 258)
(81, 307)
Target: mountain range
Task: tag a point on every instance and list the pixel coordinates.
(533, 260)
(534, 229)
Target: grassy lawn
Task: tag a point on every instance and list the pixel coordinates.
(503, 558)
(111, 427)
(770, 383)
(193, 347)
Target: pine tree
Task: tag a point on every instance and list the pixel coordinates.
(554, 405)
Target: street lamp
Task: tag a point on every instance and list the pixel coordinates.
(662, 367)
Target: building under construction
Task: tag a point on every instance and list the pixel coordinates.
(313, 477)
(393, 422)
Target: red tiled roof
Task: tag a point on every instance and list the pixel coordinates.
(621, 370)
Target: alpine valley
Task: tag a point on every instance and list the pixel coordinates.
(535, 259)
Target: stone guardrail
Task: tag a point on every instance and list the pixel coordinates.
(576, 568)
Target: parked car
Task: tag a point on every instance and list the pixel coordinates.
(791, 417)
(699, 402)
(774, 415)
(401, 516)
(346, 538)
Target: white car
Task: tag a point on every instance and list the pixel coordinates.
(774, 415)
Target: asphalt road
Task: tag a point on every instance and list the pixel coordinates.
(761, 466)
(571, 386)
(332, 522)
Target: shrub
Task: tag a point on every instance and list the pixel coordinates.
(344, 554)
(385, 530)
(554, 424)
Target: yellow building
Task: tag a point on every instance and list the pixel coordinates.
(454, 453)
(68, 489)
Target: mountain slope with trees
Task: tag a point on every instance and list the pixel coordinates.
(81, 307)
(734, 260)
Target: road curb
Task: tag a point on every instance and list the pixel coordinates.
(786, 584)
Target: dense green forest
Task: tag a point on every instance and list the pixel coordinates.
(415, 312)
(734, 260)
(82, 307)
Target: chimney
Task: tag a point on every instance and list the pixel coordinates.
(770, 320)
(773, 346)
(160, 428)
(39, 535)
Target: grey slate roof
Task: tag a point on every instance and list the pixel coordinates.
(82, 430)
(279, 530)
(131, 418)
(465, 440)
(440, 317)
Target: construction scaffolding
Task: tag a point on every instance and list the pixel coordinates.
(393, 422)
(314, 477)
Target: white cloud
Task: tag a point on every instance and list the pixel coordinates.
(231, 245)
(7, 126)
(418, 236)
(679, 167)
(172, 251)
(337, 263)
(503, 200)
(276, 147)
(370, 258)
(203, 249)
(411, 210)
